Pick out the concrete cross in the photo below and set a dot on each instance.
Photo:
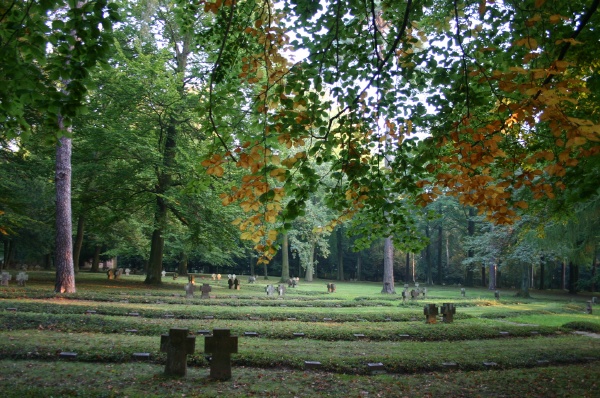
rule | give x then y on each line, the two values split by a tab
205	289
448	311
177	344
431	312
221	345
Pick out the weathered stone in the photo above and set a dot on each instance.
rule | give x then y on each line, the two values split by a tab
221	345
178	345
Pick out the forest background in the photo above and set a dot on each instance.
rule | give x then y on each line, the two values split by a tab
446	142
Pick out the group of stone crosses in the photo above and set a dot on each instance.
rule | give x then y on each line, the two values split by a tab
21	278
178	345
414	293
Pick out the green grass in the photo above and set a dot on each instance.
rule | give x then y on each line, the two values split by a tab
45	324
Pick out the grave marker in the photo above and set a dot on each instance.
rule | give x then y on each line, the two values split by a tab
497	294
67	355
281	290
221	345
431	313
448	311
110	274
270	290
588	308
376	368
312	364
177	344
22	277
205	289
462	292
189	290
141	356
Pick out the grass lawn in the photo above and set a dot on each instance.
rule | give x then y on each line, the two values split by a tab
507	348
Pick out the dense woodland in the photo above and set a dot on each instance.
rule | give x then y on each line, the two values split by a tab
438	141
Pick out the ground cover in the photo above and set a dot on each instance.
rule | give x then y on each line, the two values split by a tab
486	351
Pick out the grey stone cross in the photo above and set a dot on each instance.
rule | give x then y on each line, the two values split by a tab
178	345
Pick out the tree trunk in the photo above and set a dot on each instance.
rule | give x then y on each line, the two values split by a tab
492	279
563	276
470	273
594	270
182	267
252	273
428	257
542	276
308	276
524	290
47	261
573	277
407	269
265	271
9	253
154	276
388	267
65	273
285	259
96	260
340	254
498	278
78	243
439	254
358	267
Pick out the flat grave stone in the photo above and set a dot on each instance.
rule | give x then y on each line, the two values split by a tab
327	319
312	364
131	330
178	345
168	316
450	365
376	368
221	345
141	356
209	317
388	319
298	334
203	332
490	364
134	314
359	335
124	301
542	362
404	336
67	355
254	318
90	312
11	309
291	319
250	334
504	334
534	332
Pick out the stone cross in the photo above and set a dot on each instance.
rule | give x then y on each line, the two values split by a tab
110	274
589	307
192	279
189	290
127	271
331	287
270	290
22	277
118	273
424	291
414	294
177	344
214	276
221	345
5	278
462	292
281	289
431	312
163	273
205	289
404	293
497	294
448	311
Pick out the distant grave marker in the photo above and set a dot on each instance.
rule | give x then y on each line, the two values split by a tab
22	277
221	345
588	308
178	345
448	311
431	312
205	289
189	290
312	364
463	292
67	355
376	368
270	290
281	290
141	356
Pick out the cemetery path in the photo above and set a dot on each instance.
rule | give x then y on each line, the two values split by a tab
588	334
